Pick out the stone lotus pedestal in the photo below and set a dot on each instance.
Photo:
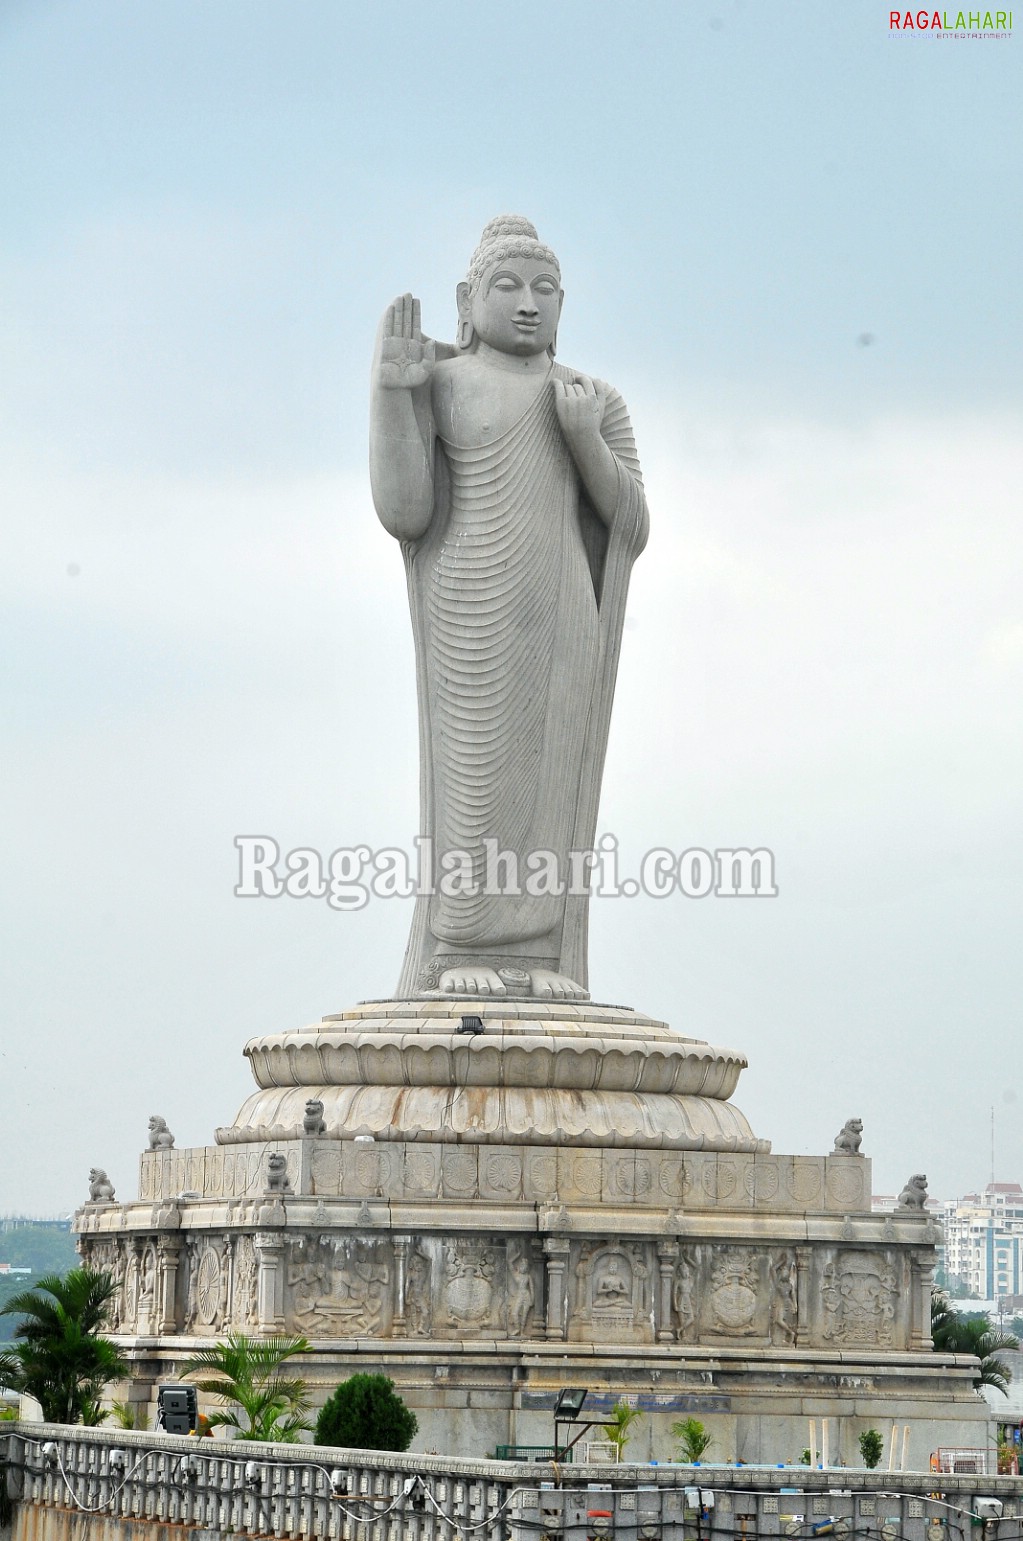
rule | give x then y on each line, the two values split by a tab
500	1199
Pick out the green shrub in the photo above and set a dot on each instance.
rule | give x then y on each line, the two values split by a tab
366	1413
871	1447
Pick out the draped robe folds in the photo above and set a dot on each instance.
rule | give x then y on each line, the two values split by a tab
517	592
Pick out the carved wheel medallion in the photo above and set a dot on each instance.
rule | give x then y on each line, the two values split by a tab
504	1173
420	1171
761	1182
207	1286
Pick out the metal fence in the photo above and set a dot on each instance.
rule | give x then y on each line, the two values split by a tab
295	1491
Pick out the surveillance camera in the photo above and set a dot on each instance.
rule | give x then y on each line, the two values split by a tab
252	1474
50	1453
117	1460
339	1482
989	1508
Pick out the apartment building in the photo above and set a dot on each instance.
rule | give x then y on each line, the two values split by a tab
984	1241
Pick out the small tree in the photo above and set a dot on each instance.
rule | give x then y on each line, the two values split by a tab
871	1448
954	1332
693	1440
129	1415
618	1425
263	1403
59	1356
366	1413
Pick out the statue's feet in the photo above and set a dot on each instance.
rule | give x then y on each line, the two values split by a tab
476	981
556	987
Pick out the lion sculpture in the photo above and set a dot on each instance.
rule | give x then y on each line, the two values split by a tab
160	1137
914	1194
847	1140
277	1173
101	1189
313	1122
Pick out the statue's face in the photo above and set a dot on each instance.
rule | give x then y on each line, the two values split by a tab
517	305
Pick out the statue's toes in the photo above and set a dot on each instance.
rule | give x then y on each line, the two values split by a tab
485	982
547	985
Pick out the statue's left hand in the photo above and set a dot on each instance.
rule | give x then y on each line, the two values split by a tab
580	407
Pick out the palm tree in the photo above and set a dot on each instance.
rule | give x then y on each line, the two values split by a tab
262	1403
954	1333
617	1427
58	1355
693	1440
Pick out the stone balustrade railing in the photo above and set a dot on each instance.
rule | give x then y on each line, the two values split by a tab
287	1491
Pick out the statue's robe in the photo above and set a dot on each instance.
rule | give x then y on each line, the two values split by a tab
517	591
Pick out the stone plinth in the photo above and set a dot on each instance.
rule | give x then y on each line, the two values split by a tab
565	1196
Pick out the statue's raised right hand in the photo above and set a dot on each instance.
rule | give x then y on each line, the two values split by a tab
404	358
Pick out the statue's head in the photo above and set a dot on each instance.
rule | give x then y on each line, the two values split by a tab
511	297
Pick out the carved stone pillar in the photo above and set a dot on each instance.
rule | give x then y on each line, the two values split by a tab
667	1256
270	1253
921	1285
804	1285
168	1255
556	1252
401	1246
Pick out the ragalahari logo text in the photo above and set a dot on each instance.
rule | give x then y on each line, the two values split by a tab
951	24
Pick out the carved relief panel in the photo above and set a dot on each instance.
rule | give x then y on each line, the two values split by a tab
521	1294
339	1287
732	1304
743	1293
859	1299
613	1297
206	1288
683	1298
245	1284
782	1281
110	1257
468	1289
418	1293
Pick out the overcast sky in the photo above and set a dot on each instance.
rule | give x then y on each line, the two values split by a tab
792	241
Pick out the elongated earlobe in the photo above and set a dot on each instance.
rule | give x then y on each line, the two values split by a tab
465	336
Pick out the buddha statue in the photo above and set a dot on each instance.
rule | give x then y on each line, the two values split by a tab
513	486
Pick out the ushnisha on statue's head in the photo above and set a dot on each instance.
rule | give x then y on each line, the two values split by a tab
511	298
